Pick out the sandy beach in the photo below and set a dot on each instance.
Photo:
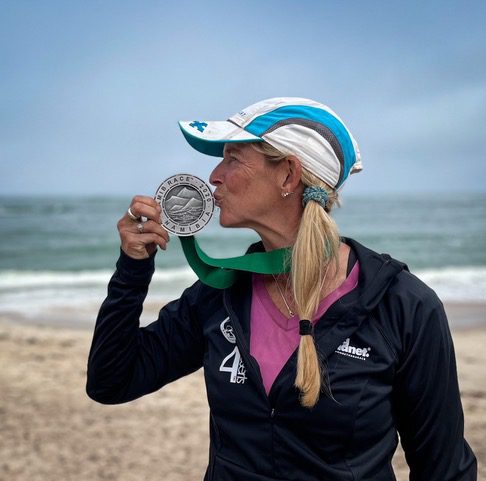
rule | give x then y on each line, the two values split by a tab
51	430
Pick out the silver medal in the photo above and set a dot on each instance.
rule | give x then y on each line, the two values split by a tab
187	204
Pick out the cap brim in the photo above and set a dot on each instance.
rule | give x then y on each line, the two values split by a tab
209	137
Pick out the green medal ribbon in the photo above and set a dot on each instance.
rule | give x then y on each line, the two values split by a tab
221	273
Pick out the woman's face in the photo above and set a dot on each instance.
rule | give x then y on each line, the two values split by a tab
247	187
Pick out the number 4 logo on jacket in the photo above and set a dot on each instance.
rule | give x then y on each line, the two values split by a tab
232	363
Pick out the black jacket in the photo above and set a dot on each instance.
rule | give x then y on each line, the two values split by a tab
389	356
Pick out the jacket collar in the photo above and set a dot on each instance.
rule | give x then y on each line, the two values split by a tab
344	317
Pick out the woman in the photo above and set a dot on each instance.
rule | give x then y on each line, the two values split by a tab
312	370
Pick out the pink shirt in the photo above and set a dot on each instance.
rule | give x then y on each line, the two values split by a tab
274	337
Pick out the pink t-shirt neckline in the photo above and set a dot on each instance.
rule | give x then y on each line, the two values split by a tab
274	337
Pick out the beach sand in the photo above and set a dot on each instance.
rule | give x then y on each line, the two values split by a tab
51	430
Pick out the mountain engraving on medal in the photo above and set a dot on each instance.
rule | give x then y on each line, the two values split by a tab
187	204
184	205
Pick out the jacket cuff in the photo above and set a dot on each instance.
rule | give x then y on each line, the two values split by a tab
137	271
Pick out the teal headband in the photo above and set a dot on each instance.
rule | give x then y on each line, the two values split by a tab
315	193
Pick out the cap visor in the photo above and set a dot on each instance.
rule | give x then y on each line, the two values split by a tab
209	137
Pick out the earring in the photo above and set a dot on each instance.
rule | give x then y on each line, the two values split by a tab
286	194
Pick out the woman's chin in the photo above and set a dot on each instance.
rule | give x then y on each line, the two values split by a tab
225	221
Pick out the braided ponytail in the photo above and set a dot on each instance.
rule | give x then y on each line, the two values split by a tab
315	251
314	255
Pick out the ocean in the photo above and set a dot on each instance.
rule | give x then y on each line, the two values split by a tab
58	253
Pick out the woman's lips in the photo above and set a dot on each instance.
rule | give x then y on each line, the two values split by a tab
217	200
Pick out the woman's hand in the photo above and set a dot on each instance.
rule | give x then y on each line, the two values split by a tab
140	239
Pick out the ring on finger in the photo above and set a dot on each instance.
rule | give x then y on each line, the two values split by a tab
132	215
140	227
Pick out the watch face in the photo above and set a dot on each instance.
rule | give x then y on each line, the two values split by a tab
187	204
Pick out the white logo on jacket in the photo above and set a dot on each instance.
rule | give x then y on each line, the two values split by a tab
227	330
232	363
346	349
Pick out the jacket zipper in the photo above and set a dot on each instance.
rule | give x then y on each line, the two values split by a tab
245	354
272	426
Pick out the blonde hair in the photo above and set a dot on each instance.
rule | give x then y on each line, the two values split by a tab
314	253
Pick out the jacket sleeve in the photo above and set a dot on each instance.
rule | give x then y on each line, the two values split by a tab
427	399
126	361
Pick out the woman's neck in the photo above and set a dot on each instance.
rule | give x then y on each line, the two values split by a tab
277	240
280	289
279	234
279	228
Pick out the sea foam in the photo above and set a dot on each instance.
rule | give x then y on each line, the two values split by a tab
31	293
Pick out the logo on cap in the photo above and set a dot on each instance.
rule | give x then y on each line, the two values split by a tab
187	204
198	125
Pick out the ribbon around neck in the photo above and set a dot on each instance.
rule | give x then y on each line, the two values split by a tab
222	273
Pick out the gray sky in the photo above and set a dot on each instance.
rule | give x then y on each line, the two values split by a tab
91	91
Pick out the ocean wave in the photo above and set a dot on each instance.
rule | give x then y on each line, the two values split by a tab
16	279
33	294
78	295
450	283
456	284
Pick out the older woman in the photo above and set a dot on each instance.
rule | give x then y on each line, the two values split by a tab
314	367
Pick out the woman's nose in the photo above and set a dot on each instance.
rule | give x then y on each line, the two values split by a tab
216	175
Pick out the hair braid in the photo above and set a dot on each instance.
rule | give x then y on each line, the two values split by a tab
314	254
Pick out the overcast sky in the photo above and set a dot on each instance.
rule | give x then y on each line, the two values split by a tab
91	91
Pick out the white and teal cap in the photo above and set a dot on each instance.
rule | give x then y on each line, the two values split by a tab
295	126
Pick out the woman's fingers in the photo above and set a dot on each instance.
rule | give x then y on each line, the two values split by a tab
140	229
143	206
151	227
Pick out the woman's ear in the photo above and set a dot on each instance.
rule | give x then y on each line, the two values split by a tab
293	173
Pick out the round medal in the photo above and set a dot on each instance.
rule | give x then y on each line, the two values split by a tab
187	204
